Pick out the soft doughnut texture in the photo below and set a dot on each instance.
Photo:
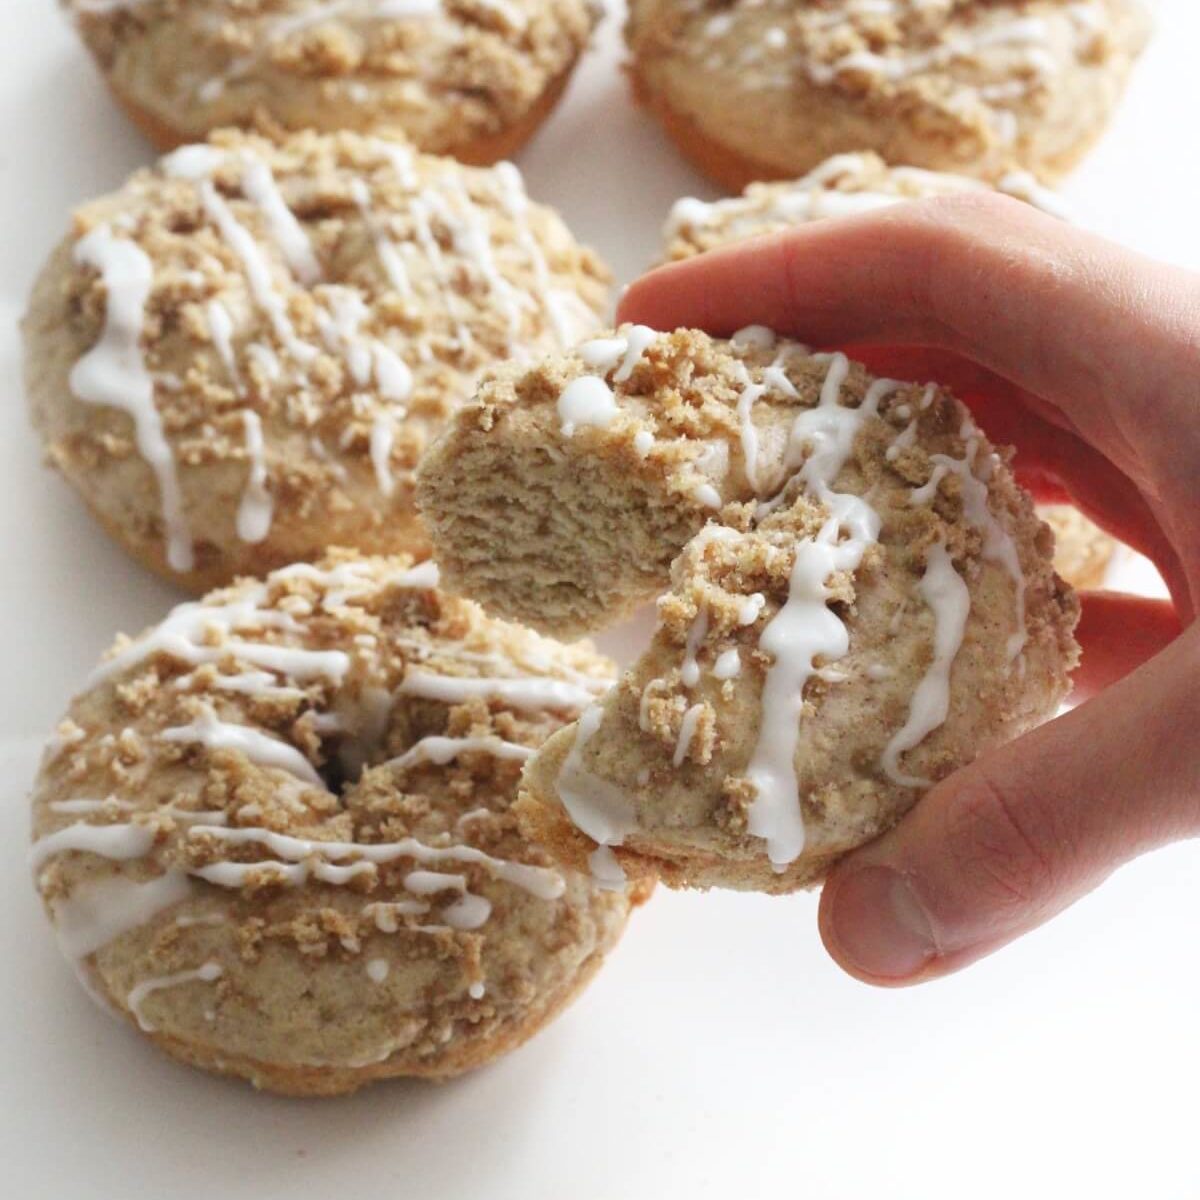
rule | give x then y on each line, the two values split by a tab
1082	550
858	600
469	78
853	183
275	832
767	89
238	358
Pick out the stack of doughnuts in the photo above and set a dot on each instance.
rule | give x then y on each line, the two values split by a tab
368	807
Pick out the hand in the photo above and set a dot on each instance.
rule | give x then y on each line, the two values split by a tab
1085	357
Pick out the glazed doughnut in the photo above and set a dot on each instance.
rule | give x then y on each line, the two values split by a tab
859	599
275	833
767	89
853	183
842	186
469	78
237	359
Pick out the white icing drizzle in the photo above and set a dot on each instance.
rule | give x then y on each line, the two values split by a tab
541	882
597	807
209	731
689	672
526	692
750	395
98	911
282	27
196	164
473	240
260	187
586	401
643	442
185	635
555	302
687	733
209	972
998	544
113	372
443	750
603	354
805	628
944	591
728	664
221	329
607	873
119	842
385	248
751	608
385	913
383	438
838	188
638	341
257	507
109	804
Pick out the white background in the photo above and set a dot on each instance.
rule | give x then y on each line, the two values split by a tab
720	1054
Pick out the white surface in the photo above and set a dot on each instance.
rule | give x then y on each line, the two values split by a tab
720	1054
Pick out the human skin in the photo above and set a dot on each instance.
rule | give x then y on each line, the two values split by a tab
1086	358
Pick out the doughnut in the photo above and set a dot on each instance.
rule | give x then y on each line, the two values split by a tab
855	598
767	89
238	357
1082	550
470	78
853	183
844	185
275	832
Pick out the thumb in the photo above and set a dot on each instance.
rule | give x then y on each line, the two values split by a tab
1014	838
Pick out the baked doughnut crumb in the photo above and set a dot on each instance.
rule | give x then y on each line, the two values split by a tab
238	358
276	834
855	598
470	78
767	89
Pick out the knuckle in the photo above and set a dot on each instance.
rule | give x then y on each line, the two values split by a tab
1000	844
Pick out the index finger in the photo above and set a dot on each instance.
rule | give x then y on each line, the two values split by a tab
1099	331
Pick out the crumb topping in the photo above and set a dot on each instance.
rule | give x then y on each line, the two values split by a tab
441	69
322	761
310	311
977	65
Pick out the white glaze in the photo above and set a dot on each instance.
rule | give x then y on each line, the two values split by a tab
689	672
728	664
98	911
596	807
443	750
119	842
687	733
805	628
586	401
541	882
944	591
260	748
209	972
998	544
257	507
525	692
113	372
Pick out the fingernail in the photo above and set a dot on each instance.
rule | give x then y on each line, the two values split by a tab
879	925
